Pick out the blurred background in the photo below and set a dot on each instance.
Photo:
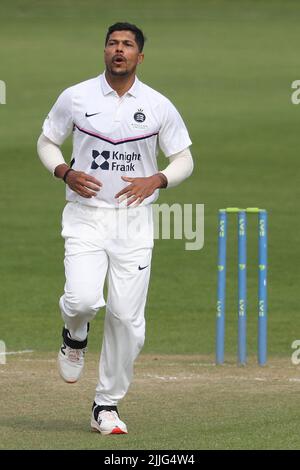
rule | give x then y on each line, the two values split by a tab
228	68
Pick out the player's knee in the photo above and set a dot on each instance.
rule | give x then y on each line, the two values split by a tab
140	340
129	320
120	311
81	305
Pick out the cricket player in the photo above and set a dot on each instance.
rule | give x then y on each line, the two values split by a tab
118	125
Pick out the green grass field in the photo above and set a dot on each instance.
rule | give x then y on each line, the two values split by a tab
228	67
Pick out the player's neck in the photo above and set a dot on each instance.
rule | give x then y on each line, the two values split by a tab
121	84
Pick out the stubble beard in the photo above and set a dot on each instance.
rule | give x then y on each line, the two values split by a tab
118	72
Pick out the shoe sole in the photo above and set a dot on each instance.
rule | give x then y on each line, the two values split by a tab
95	428
67	380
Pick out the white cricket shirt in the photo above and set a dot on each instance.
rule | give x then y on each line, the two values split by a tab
115	136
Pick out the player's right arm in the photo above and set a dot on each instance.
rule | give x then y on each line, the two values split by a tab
56	128
52	158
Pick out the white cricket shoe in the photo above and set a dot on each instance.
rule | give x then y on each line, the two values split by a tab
70	363
105	419
71	357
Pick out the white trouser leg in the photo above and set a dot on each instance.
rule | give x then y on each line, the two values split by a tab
124	328
85	269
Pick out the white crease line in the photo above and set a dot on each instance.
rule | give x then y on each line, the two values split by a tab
151	376
170	377
204	364
228	377
16	352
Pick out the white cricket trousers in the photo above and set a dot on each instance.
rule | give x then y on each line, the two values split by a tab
112	244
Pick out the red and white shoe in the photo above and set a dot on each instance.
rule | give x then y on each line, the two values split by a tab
106	420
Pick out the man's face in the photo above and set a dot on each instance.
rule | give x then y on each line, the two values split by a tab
121	53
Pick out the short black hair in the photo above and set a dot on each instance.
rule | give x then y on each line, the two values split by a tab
139	35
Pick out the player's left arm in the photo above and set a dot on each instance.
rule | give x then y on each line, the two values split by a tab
180	167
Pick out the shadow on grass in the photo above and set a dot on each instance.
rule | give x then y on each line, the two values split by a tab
31	423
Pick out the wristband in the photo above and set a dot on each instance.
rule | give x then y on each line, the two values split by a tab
163	179
66	174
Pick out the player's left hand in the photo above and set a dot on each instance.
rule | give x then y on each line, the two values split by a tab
141	188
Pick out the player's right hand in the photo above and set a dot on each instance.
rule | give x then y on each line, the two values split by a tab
83	184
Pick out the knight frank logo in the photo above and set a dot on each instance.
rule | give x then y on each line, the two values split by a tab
104	165
114	160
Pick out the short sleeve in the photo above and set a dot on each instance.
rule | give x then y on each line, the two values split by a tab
59	123
173	135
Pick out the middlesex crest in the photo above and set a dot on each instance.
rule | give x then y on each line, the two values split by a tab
139	116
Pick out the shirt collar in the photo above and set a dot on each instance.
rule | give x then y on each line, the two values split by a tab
106	88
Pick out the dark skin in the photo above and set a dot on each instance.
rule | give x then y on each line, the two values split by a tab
121	57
